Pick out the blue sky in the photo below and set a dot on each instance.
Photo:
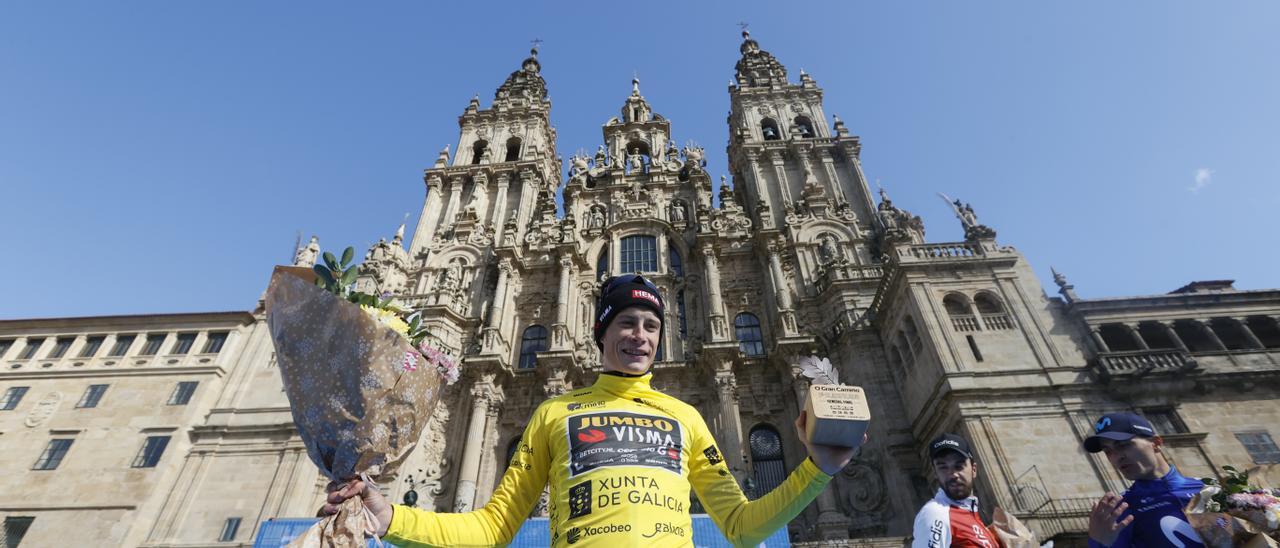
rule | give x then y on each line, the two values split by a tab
162	156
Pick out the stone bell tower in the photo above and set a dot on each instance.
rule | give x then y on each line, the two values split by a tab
480	196
504	160
800	180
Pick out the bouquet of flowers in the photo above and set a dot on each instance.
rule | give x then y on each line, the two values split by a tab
1234	513
362	378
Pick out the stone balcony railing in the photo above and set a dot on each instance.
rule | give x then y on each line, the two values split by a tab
836	272
997	322
950	251
964	323
1141	362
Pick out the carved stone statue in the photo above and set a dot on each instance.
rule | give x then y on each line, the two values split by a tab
595	218
969	220
600	157
306	256
635	160
452	276
827	250
580	165
677	212
694	154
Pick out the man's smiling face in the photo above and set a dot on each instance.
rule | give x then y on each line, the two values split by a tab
631	341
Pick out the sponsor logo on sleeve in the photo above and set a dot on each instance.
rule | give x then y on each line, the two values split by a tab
616	438
713	455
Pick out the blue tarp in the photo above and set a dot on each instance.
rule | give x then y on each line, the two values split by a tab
277	533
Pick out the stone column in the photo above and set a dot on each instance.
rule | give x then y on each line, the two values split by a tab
500	208
730	421
829	166
1208	332
455	197
1136	336
430	219
719	325
528	195
494	324
1248	333
560	330
780	171
762	193
615	255
468	475
1098	340
1173	336
781	292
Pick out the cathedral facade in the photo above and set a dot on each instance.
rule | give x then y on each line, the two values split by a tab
796	258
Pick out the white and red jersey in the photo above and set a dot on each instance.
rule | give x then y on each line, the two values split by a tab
944	522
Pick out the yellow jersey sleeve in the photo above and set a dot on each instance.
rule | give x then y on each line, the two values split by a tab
498	520
748	522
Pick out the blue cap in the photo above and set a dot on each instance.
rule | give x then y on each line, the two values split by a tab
1118	427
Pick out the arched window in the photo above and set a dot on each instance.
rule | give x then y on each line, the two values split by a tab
806	127
477	151
639	254
766	460
769	129
602	264
992	312
962	319
673	257
534	341
513	150
956	305
987	304
746	328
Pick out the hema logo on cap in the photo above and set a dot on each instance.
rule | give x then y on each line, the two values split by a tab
642	294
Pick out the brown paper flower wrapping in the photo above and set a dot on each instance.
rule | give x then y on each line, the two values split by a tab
359	393
1011	532
1224	530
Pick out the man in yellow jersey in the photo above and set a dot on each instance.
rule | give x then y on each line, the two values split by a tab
620	458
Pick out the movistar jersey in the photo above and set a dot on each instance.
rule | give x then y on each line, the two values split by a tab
1156	507
944	522
620	458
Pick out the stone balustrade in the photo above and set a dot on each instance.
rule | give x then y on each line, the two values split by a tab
842	272
1141	362
964	323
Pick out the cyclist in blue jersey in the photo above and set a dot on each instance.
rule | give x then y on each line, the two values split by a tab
1150	511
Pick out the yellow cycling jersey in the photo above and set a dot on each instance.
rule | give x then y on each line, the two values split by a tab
621	458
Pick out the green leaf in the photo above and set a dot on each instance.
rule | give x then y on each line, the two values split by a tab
348	254
325	275
330	260
349	277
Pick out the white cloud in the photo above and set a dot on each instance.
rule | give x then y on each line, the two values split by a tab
1204	176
